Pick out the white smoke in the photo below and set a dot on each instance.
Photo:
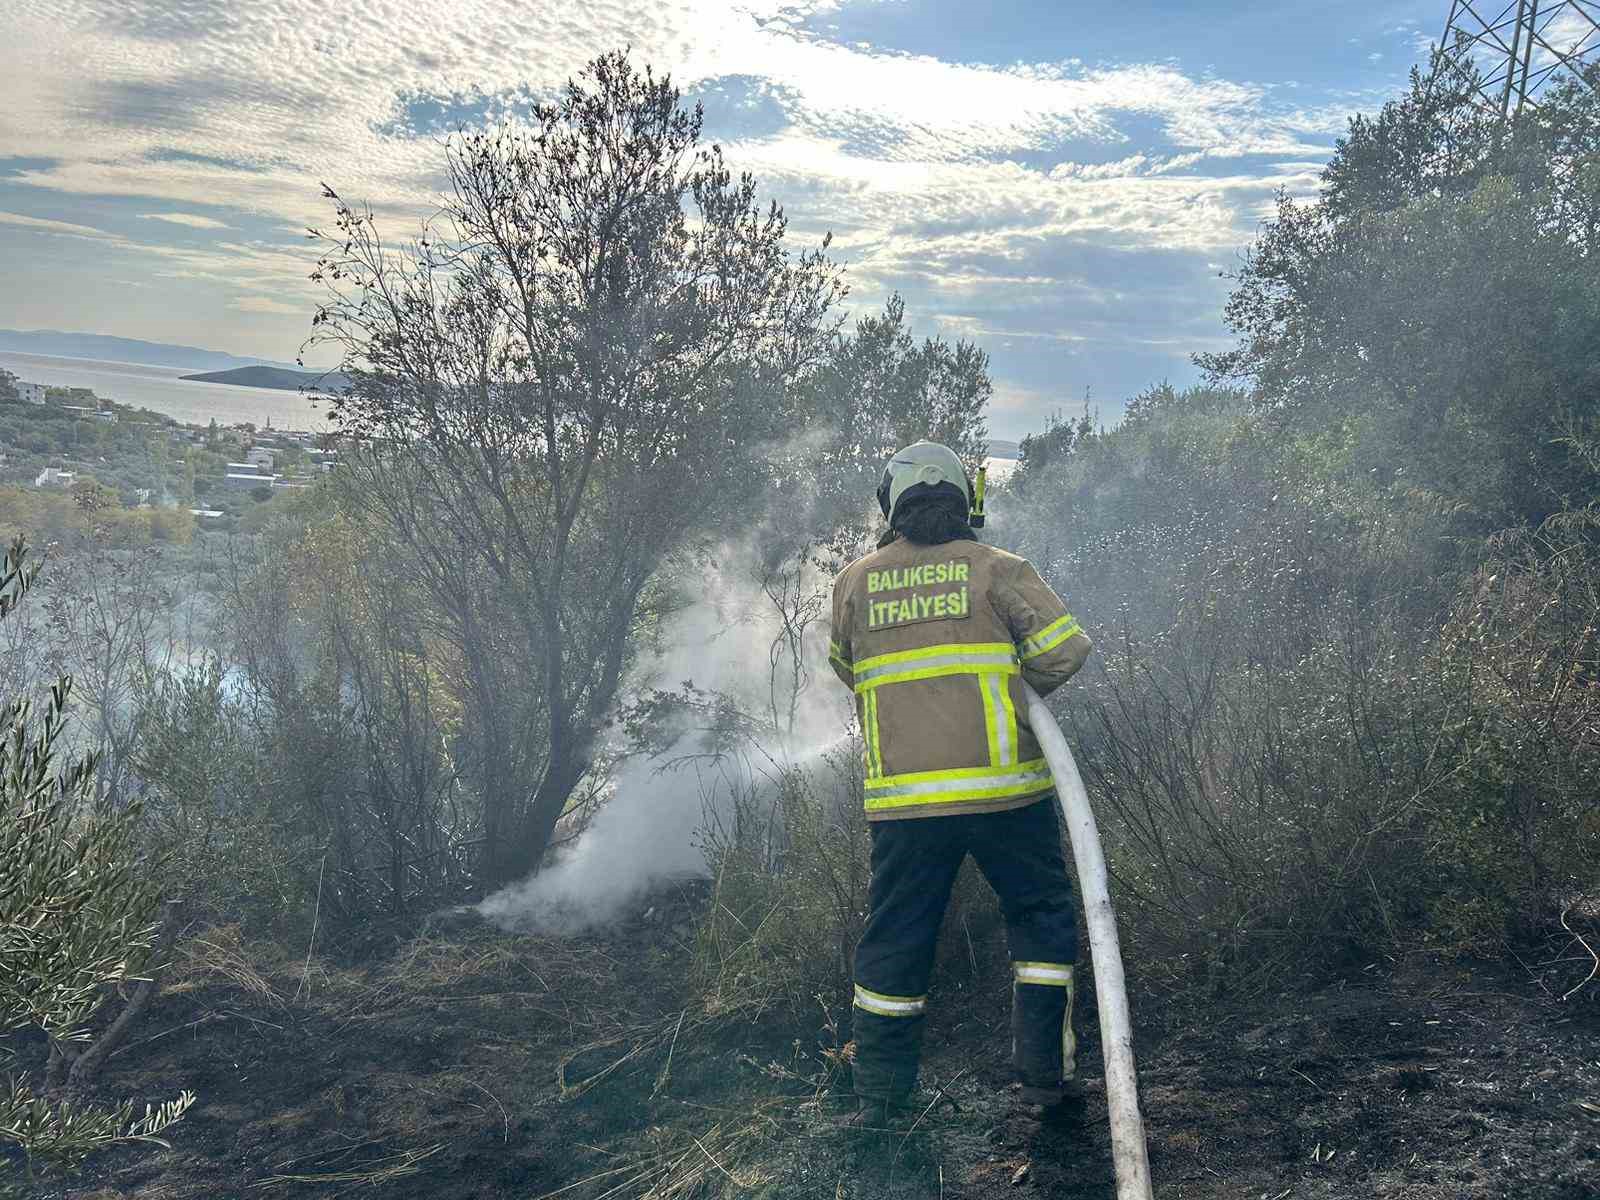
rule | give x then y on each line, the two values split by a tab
646	833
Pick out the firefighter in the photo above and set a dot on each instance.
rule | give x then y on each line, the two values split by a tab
935	632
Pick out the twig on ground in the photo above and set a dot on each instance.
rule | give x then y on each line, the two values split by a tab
387	1170
504	1116
713	1159
1309	1080
205	1020
1578	937
316	915
941	1091
931	1105
666	1070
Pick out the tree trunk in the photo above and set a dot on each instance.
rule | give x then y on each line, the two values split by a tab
86	1065
562	774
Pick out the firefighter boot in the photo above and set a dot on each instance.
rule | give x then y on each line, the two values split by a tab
1061	1104
874	1116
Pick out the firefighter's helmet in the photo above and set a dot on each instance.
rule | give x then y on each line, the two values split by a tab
927	465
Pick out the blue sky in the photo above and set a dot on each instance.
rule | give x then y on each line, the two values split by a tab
1061	182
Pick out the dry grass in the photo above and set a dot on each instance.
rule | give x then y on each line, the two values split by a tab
373	1174
676	1163
220	954
546	977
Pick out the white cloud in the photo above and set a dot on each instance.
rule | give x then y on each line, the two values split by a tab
919	165
266	304
57	228
227	88
190	219
1572	30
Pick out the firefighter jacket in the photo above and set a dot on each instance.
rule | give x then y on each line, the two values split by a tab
935	641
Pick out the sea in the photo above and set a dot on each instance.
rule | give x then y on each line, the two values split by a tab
161	390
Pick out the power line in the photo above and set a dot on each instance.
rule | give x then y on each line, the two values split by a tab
1520	48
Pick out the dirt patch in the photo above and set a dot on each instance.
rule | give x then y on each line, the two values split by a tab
1367	1089
484	1067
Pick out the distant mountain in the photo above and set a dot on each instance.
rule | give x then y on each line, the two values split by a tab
999	448
281	378
127	350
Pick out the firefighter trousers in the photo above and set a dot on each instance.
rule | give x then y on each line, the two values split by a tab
914	866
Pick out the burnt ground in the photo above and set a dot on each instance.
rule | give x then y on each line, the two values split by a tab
466	1065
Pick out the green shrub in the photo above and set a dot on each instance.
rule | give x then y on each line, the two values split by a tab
1514	837
788	857
77	909
233	847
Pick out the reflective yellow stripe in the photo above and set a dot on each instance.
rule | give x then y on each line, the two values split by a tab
957	668
993	718
880	803
959	773
1048	638
836	656
908	656
930	662
956	786
1050	974
999	718
869	732
889	1006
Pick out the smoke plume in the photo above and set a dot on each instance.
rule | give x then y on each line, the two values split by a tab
646	832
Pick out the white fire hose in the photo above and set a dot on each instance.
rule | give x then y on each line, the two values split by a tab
1128	1154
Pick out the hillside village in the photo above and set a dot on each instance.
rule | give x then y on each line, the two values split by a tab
70	439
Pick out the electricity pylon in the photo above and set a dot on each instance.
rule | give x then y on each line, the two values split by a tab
1519	48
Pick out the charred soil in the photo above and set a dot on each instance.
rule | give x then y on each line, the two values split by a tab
471	1065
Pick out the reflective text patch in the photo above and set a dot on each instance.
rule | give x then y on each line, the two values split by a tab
926	592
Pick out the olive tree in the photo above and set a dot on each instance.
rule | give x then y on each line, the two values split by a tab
76	915
572	370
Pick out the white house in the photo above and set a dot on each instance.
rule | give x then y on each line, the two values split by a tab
240	479
31	393
50	477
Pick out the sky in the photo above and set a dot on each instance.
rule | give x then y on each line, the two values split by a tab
1064	183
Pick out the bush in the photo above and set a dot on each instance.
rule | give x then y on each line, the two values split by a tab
1515	836
1263	816
76	914
788	855
1264	706
1301	762
232	849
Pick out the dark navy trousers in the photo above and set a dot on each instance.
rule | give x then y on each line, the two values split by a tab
914	866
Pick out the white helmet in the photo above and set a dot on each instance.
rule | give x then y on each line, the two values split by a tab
926	463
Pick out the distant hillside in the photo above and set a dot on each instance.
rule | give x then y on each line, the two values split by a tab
127	350
998	448
281	378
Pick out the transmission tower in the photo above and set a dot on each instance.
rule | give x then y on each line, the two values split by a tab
1519	48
